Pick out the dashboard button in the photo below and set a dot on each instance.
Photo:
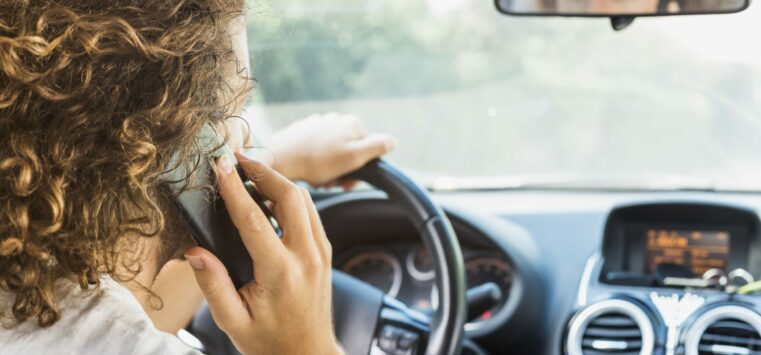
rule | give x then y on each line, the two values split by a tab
407	342
397	341
389	338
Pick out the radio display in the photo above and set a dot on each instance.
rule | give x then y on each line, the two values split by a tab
695	250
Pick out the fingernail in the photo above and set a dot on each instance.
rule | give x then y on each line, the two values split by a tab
224	164
195	261
251	157
243	153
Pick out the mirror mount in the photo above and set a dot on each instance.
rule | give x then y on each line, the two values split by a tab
621	22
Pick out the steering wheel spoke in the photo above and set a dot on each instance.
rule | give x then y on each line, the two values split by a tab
401	329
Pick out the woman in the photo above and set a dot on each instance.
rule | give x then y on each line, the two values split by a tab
97	100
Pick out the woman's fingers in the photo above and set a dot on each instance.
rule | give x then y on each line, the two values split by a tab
321	239
227	307
293	276
371	146
255	230
349	185
290	206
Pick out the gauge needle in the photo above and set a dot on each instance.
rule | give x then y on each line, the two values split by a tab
482	298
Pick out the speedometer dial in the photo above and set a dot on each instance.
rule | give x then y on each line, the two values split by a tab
378	268
483	270
420	264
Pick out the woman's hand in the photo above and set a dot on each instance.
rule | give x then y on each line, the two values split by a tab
288	308
321	148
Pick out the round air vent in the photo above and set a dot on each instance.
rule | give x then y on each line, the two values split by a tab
610	327
724	330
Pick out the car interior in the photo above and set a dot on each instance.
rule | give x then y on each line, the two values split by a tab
573	176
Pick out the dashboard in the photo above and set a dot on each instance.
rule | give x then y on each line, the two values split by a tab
374	241
404	270
575	272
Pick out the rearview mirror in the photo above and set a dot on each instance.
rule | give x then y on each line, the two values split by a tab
619	8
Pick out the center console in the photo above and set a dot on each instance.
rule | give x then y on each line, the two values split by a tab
671	278
679	245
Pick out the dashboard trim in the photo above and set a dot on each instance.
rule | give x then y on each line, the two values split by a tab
674	311
378	252
586	278
582	319
409	263
698	327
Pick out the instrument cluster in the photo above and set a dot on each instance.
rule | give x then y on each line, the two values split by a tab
405	270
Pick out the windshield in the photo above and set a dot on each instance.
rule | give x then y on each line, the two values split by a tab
481	99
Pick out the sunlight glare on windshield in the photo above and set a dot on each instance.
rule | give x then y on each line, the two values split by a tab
447	5
729	38
472	93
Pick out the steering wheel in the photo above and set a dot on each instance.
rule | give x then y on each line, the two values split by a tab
366	320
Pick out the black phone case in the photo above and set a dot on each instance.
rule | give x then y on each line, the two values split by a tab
208	221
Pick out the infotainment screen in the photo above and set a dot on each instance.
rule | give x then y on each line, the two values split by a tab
695	250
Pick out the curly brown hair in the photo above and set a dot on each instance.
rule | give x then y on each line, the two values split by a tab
96	100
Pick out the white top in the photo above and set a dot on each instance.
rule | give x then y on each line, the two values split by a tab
109	322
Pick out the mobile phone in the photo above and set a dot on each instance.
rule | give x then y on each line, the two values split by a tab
204	214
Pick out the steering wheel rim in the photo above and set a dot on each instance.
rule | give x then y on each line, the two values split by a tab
446	329
356	304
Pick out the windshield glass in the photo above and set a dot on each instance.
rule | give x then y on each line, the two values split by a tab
481	99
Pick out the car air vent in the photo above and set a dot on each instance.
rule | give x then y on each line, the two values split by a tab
612	332
724	330
610	327
730	337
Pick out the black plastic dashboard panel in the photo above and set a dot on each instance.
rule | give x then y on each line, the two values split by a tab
375	221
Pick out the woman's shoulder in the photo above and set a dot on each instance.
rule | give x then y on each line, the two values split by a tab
106	320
